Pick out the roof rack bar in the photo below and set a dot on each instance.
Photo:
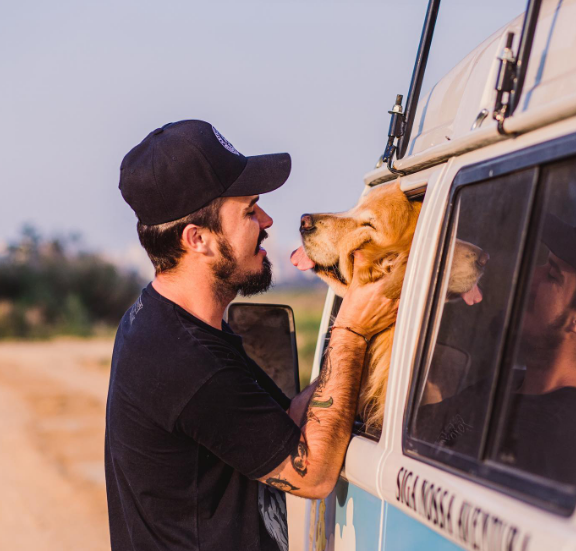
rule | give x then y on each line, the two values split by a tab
418	75
524	50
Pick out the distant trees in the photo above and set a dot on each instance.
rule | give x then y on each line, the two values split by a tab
52	286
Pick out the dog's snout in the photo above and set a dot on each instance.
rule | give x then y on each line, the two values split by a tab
483	258
306	222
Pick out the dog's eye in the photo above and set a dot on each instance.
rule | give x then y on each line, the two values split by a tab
369	225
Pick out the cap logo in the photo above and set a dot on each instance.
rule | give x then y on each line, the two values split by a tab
225	143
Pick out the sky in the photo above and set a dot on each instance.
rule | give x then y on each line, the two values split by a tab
84	82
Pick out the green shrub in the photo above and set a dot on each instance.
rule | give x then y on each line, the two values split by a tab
50	287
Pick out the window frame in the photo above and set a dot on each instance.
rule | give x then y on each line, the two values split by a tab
544	493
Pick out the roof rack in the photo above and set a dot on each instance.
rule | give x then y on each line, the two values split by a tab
509	82
512	70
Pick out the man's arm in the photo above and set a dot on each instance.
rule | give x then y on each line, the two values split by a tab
313	468
326	421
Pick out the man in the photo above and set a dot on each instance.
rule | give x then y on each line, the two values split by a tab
199	440
543	410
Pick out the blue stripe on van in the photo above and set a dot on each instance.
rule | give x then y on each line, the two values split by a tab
358	517
403	533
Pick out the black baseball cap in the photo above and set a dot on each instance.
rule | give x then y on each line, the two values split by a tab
182	166
560	238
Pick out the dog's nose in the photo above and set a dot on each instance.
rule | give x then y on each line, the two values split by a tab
306	222
483	259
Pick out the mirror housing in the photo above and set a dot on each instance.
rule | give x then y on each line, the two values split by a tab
268	332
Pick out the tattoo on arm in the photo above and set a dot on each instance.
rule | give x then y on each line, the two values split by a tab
311	416
320	404
325	374
281	484
300	459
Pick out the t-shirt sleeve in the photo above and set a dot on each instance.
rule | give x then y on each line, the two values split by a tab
233	417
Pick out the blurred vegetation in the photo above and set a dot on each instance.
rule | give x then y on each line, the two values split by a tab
52	287
307	303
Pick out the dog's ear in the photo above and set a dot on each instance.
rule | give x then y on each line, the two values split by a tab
390	264
375	264
398	214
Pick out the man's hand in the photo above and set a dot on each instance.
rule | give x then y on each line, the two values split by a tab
365	309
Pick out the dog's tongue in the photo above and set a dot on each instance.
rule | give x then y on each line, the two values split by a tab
473	296
300	259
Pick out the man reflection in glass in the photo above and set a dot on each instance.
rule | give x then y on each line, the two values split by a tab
549	331
540	435
539	430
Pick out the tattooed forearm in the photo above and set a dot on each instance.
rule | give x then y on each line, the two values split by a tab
281	484
300	459
325	412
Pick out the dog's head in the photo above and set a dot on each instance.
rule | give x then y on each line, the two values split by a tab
381	226
466	268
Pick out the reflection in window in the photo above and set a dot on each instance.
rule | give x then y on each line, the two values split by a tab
539	429
472	306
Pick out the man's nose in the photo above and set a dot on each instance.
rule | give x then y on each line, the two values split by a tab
306	223
265	220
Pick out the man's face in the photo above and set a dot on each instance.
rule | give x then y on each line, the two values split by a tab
550	305
242	266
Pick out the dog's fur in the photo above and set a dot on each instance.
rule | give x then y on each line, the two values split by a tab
382	226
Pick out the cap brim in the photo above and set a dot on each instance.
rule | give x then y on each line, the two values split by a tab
262	174
560	238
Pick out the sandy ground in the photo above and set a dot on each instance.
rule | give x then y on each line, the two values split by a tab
52	406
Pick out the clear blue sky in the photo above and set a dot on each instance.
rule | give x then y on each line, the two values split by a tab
83	82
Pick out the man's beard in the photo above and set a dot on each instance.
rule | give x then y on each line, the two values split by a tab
539	350
230	280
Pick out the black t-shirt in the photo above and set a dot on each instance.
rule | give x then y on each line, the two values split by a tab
539	435
456	422
191	422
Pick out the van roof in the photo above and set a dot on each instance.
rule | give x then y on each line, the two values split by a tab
445	117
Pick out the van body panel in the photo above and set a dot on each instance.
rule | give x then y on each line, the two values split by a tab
349	519
362	464
404	533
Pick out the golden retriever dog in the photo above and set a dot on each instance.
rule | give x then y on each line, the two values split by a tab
382	226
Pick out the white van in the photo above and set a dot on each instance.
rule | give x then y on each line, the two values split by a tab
508	186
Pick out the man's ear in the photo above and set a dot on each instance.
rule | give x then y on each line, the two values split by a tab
196	239
572	324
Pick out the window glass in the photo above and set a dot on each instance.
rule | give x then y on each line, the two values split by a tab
472	303
538	432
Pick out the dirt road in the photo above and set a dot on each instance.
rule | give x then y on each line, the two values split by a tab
52	406
52	403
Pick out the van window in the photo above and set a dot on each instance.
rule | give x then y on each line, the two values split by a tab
538	427
472	304
494	392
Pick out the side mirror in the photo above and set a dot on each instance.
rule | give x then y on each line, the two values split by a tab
269	337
